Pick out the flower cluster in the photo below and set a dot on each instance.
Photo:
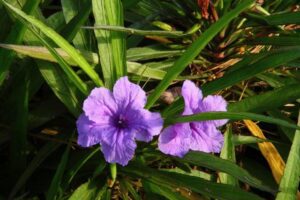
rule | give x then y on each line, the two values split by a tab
116	119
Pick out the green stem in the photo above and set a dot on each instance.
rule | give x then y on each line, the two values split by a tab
113	172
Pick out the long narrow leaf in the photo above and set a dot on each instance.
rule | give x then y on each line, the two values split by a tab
230	115
288	188
195	49
111	45
15	37
175	180
59	40
228	153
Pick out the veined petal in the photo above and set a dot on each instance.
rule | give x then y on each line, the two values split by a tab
129	94
192	95
214	103
100	105
175	140
86	132
146	124
216	138
206	138
120	148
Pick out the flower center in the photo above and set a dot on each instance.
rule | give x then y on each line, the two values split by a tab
121	122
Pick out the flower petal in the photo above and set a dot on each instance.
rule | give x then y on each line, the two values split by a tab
100	105
216	139
129	94
146	124
175	140
120	148
206	138
192	96
86	135
214	103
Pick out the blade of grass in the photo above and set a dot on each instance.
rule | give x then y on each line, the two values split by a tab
126	185
57	179
275	19
111	45
213	162
44	54
76	167
59	40
288	188
275	41
162	191
151	52
270	60
195	49
175	180
228	153
65	91
42	154
76	13
89	191
18	146
170	34
267	100
15	37
244	139
64	66
230	115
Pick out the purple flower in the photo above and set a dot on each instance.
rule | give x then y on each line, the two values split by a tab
116	119
203	136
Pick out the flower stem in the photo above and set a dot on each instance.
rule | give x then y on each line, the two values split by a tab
113	172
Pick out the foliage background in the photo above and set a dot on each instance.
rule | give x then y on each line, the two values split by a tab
51	56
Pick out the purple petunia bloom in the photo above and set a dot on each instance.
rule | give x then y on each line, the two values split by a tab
203	136
116	119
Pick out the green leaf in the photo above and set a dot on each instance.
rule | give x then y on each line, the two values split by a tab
129	3
62	88
228	153
151	52
191	172
44	54
244	139
18	104
42	154
76	13
73	77
77	166
195	49
89	191
212	162
170	34
230	115
180	181
15	37
126	187
288	187
111	45
243	72
267	100
162	191
275	19
59	40
288	132
275	41
57	179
